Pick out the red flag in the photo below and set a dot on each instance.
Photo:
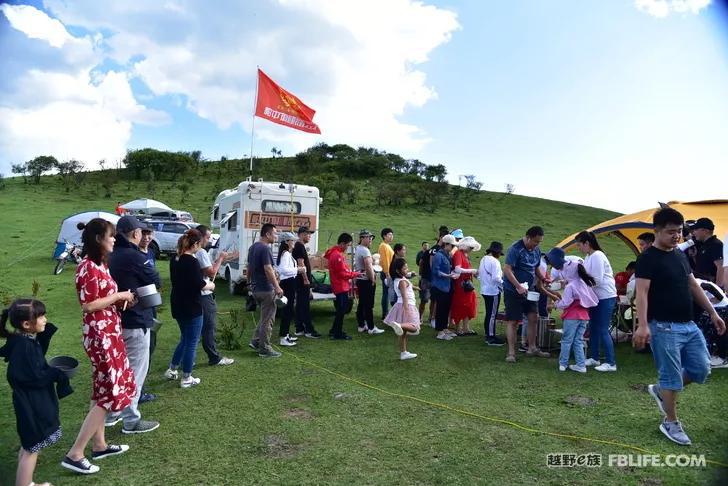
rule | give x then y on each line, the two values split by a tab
279	106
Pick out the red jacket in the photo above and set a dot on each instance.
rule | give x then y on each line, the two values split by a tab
339	272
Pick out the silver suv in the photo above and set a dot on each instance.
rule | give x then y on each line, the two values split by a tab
166	234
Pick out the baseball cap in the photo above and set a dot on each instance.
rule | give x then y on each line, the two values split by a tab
364	233
304	229
127	224
557	258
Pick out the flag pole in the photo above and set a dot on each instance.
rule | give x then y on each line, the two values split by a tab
252	131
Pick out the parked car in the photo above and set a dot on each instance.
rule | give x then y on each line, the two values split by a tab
166	234
174	215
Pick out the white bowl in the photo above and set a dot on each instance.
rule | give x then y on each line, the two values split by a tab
555	286
533	296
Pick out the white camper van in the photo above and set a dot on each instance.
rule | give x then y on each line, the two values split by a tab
239	213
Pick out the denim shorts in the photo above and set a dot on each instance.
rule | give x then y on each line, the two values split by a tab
679	349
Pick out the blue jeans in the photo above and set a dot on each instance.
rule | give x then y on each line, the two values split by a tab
599	318
186	350
678	349
573	338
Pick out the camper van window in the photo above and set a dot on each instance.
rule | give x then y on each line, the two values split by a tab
227	218
216	213
286	207
233	222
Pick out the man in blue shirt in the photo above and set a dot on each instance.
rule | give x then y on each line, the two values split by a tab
520	272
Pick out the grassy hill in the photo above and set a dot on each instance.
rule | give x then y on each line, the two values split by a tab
293	421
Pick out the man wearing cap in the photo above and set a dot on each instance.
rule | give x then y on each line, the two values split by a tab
304	326
490	275
709	257
365	283
131	269
209	307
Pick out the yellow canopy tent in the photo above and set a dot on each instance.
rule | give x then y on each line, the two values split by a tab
630	226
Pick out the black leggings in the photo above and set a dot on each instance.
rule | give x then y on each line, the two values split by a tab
289	290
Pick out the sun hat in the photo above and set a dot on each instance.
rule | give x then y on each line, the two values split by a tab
448	240
469	242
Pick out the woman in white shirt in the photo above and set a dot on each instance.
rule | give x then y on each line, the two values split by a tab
490	275
598	266
287	271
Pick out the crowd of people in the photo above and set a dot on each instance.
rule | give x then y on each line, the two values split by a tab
119	333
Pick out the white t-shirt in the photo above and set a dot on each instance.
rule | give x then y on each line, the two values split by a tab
490	275
203	258
410	292
597	265
556	274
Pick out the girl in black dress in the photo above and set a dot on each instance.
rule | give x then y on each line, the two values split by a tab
36	385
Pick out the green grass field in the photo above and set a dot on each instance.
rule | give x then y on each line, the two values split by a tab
325	412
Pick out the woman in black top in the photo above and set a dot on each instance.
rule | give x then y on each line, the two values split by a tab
187	282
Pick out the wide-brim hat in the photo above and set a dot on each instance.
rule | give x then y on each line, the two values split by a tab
469	242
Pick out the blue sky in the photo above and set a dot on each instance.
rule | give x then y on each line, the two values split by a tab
616	104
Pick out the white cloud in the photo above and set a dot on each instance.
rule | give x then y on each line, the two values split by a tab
36	25
354	62
663	8
67	109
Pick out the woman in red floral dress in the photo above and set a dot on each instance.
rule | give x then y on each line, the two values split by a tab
464	304
113	379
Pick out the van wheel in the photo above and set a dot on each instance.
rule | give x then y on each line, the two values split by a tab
232	286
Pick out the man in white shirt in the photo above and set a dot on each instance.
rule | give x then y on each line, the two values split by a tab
209	307
490	275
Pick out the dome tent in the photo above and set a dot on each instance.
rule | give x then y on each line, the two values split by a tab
70	232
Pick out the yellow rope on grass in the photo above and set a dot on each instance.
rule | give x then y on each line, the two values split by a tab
485	417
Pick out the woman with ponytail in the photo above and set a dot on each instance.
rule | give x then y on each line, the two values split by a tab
597	265
112	379
187	282
36	385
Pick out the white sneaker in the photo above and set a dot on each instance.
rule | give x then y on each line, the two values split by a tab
286	341
225	361
292	338
578	369
189	381
376	330
443	336
362	329
562	368
406	355
171	374
451	333
606	367
396	327
592	362
723	363
300	333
